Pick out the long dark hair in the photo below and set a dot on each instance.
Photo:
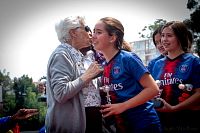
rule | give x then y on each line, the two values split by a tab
157	31
181	32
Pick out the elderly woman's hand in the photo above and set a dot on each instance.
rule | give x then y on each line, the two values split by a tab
93	70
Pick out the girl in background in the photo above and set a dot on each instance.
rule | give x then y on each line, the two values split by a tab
180	113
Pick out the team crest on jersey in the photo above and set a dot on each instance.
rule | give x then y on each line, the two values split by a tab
116	70
183	68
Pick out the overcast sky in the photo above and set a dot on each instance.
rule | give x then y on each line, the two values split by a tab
27	35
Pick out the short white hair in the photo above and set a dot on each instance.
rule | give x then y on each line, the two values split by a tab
64	26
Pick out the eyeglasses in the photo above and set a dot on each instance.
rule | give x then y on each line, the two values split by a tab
86	28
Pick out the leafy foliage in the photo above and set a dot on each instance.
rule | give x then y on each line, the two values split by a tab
22	93
192	4
9	104
147	31
194	22
5	79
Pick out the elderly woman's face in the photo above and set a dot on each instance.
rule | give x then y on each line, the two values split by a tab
83	37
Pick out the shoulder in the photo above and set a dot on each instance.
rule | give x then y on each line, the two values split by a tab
190	57
5	119
61	57
155	59
126	55
157	63
60	52
132	62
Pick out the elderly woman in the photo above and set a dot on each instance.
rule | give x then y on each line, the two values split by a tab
66	77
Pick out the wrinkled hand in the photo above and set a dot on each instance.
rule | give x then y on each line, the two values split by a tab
166	108
24	114
111	109
93	70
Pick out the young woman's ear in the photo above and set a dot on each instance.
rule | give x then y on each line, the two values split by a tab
113	38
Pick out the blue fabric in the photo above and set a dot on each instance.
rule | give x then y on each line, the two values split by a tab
185	69
126	71
42	130
5	124
125	75
153	61
4	119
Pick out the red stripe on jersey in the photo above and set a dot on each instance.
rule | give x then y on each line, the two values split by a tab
170	67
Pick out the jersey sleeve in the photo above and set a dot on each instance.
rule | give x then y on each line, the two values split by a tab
136	67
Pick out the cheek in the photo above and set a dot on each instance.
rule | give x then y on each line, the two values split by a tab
100	44
103	41
175	42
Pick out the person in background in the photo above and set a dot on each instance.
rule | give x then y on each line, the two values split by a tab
67	77
41	91
92	99
9	122
157	42
180	113
131	85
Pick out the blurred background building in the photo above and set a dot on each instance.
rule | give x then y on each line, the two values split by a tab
145	49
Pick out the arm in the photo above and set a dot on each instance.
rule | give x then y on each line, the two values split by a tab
64	81
192	103
7	123
24	114
150	90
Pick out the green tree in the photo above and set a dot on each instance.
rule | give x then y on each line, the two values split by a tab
9	104
194	22
147	31
8	100
22	93
31	101
20	88
5	79
27	97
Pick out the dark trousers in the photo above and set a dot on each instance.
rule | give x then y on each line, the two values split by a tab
93	120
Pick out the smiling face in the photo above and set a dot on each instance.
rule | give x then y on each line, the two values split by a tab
175	37
169	40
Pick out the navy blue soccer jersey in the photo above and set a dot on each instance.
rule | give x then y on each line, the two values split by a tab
153	61
184	69
123	73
